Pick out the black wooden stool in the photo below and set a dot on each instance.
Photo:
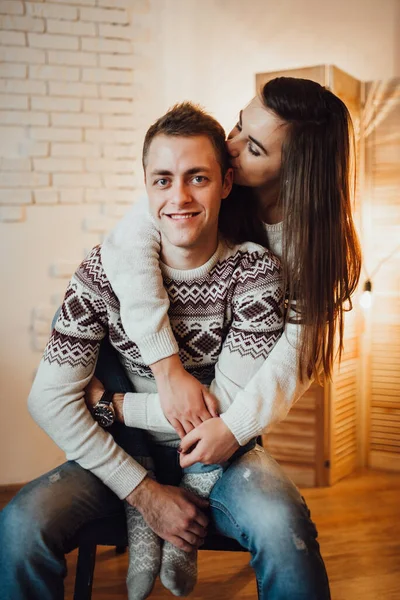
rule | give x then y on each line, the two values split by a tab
112	532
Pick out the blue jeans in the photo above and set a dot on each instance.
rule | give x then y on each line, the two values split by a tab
253	502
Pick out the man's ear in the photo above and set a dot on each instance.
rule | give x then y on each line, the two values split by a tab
227	183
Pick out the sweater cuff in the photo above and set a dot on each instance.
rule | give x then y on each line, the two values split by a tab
242	423
158	345
135	411
126	478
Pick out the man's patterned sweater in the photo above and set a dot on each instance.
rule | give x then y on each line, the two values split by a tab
226	316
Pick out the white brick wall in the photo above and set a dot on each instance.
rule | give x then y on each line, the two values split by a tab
70	145
67	100
12	214
72	120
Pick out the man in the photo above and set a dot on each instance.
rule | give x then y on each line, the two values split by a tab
239	321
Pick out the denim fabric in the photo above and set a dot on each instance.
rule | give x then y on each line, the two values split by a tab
253	502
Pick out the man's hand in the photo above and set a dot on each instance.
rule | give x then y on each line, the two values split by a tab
186	403
212	443
172	513
93	392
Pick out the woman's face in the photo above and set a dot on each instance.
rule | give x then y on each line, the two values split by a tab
255	146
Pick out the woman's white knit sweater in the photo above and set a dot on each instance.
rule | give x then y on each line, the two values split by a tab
133	248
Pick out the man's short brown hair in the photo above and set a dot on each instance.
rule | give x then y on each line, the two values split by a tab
187	119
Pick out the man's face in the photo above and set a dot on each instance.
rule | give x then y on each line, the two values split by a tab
185	187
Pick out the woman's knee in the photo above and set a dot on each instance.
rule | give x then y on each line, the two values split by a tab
260	500
257	475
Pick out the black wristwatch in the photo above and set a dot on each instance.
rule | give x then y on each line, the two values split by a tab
103	411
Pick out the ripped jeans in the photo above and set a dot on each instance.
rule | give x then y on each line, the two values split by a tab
253	502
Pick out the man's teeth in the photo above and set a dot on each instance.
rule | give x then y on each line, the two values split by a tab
186	216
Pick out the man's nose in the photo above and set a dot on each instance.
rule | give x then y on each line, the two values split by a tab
181	195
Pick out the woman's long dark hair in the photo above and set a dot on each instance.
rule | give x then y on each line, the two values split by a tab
239	218
321	252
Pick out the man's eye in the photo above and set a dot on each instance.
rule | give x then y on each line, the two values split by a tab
252	149
200	179
161	182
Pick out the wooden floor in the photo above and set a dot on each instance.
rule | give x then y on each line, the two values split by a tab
359	531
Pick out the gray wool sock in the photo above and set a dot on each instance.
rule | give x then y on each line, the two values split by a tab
144	555
178	568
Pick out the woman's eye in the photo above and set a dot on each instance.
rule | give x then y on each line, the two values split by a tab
238	126
253	150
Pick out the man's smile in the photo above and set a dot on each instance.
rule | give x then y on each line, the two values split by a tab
181	216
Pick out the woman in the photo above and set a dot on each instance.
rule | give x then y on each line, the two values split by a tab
291	154
291	149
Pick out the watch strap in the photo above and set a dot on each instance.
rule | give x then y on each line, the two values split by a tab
106	398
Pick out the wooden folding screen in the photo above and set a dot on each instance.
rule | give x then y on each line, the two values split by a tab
317	442
382	240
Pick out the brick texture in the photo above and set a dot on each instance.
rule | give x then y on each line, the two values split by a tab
12	214
67	102
69	141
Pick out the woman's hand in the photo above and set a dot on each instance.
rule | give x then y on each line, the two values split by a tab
212	443
93	392
186	403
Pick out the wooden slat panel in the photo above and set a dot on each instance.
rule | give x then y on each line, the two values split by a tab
315	73
383	155
384	411
303	475
384	460
388	425
293	442
344	409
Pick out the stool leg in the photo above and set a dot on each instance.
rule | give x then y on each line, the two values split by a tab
84	572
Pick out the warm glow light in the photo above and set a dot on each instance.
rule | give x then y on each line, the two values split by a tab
366	300
366	296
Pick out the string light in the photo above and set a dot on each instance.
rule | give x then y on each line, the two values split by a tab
366	296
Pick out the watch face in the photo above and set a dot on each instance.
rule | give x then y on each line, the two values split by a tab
104	415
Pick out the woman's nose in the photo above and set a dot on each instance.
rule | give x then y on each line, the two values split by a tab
233	148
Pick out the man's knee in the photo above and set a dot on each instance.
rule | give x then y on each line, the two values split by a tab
23	527
41	514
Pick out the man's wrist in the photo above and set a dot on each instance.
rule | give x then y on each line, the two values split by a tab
163	368
141	495
118	405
